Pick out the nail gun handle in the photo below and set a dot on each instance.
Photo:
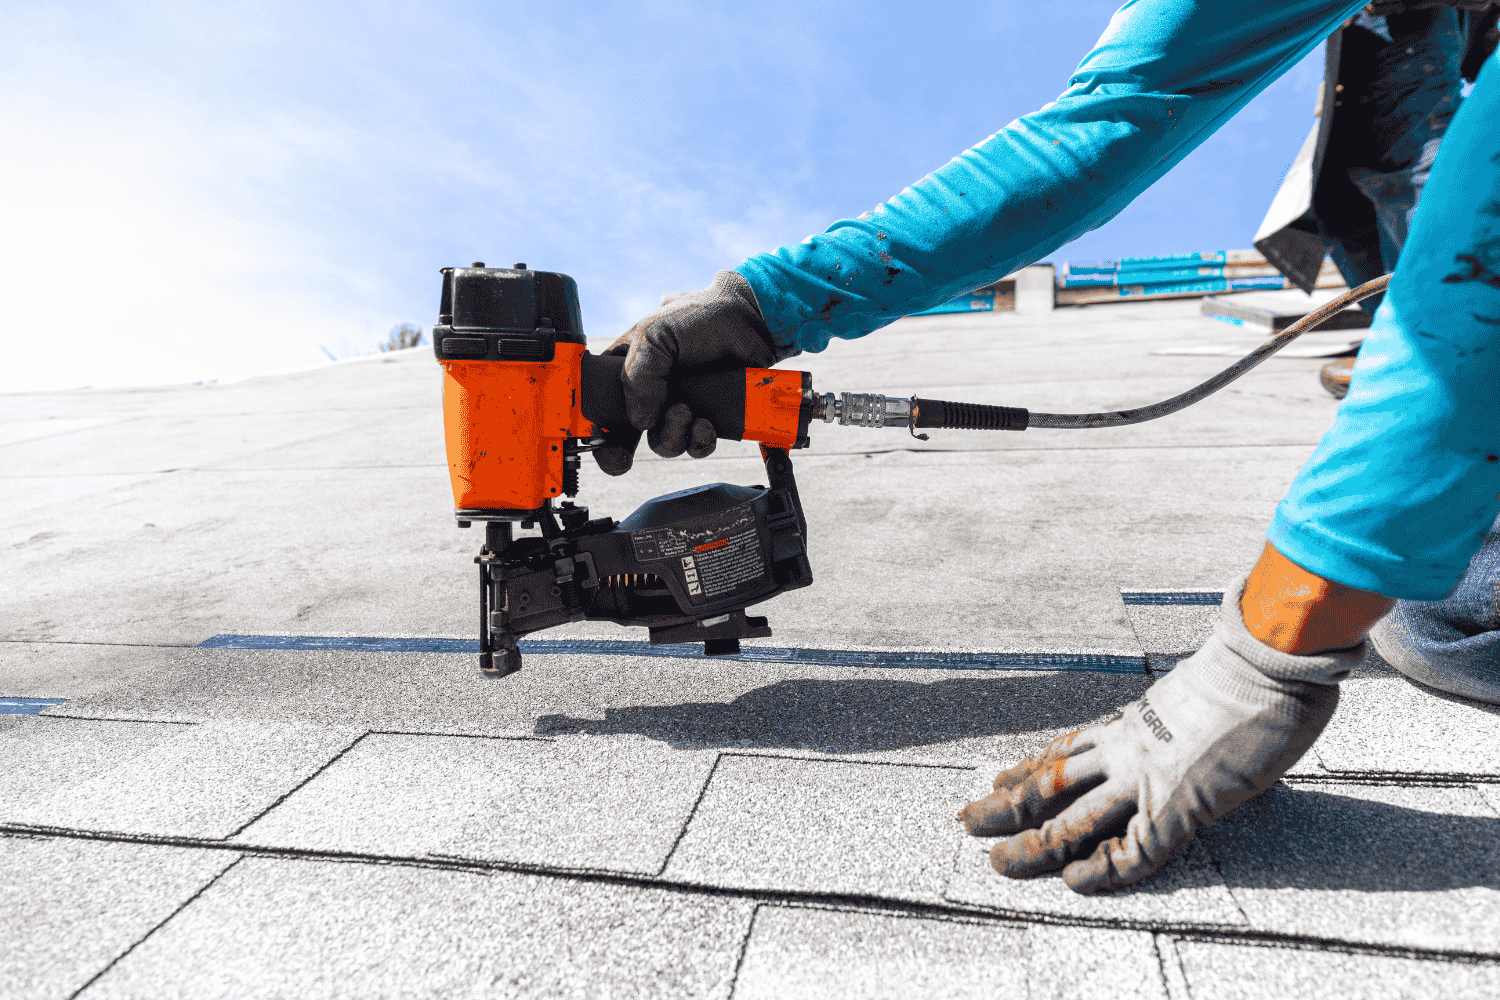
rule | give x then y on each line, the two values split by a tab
768	405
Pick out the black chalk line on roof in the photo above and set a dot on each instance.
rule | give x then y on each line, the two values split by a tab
944	910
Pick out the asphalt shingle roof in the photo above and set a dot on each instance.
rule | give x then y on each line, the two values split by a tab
220	821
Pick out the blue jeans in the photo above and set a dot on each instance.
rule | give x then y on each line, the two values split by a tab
1405	93
1452	644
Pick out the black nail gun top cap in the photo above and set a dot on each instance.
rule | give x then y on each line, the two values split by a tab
504	314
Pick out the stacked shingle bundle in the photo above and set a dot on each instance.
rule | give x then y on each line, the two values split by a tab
1000	296
1178	276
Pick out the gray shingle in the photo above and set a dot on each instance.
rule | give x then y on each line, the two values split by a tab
952	713
1170	633
1247	972
422	692
580	803
1408	866
206	781
73	670
831	954
828	953
273	928
1070	963
823	826
43	756
1189	889
1439	733
70	907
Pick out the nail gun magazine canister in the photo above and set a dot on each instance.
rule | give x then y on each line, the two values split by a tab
509	340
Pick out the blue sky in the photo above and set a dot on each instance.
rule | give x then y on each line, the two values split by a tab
201	191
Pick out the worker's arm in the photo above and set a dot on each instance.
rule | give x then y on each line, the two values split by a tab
1164	76
1394	502
1294	611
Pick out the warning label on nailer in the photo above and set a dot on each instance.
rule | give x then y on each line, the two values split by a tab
728	564
718	554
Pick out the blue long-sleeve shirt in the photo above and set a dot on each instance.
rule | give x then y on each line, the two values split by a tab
1164	76
1399	493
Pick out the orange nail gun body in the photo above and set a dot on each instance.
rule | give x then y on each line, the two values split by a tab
509	423
523	400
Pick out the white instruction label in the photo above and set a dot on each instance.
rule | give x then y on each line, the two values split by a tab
718	554
729	563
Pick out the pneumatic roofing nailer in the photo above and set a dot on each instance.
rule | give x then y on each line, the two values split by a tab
523	400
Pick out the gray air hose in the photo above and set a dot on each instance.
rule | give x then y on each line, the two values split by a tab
977	416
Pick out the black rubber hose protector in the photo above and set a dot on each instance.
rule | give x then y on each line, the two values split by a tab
942	413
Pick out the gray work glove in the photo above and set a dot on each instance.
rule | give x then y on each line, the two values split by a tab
718	327
1113	803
